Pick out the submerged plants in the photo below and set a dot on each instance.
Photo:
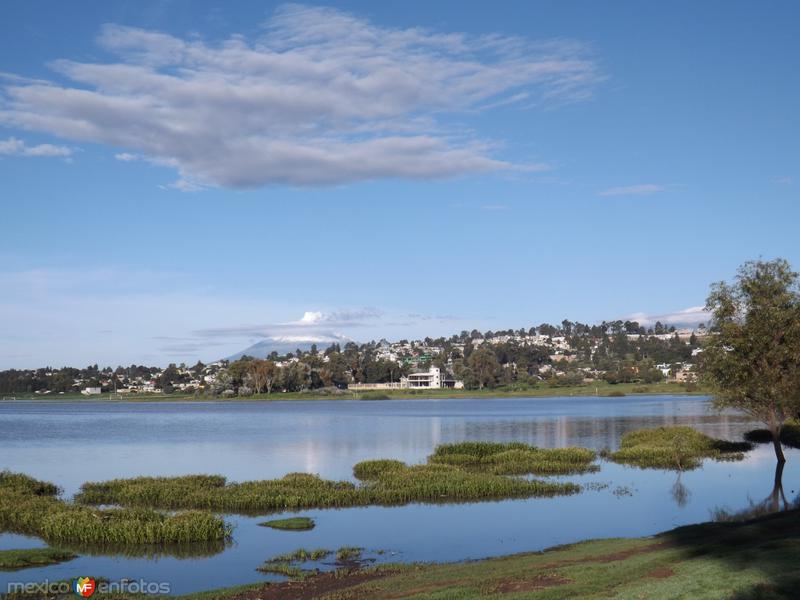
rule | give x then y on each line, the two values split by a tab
679	448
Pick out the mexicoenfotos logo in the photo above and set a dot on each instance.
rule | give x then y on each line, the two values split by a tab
84	586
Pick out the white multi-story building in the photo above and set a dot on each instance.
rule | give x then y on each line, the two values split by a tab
432	378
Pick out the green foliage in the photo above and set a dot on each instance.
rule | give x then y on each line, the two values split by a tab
679	448
13	560
291	524
373	469
26	485
285	569
30	507
514	458
385	482
348	553
751	358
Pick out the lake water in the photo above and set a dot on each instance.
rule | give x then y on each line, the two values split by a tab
70	443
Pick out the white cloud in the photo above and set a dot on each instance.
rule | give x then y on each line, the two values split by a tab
643	189
16	147
126	157
322	97
688	317
785	180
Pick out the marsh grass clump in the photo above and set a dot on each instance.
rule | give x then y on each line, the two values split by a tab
300	555
290	524
24	484
678	448
374	469
31	507
14	560
348	554
285	569
386	483
515	458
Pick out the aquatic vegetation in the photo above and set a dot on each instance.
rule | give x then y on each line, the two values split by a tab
13	560
32	507
348	554
290	524
301	555
515	458
387	483
373	469
285	569
679	448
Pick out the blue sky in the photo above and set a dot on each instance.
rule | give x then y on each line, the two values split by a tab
181	179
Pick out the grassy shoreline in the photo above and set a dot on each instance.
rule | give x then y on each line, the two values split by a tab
746	560
599	389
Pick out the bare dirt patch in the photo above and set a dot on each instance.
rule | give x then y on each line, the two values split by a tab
539	582
661	573
308	589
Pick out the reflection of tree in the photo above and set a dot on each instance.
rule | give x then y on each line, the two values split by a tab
763	539
680	493
775	502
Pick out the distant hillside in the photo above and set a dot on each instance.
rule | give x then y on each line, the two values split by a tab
264	348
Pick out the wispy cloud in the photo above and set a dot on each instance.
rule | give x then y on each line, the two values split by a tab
688	317
314	323
642	189
785	180
16	147
321	97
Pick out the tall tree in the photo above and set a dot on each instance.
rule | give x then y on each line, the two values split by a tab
752	357
483	364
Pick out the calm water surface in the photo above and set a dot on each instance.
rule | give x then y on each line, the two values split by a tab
70	443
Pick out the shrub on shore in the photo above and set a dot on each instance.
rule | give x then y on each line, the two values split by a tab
31	507
679	448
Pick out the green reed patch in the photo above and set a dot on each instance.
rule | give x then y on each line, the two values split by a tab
285	569
386	483
515	458
374	469
678	448
349	554
290	524
13	560
31	507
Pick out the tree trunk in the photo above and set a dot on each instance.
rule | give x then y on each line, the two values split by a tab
776	442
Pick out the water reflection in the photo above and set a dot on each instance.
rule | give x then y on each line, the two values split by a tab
265	440
775	501
679	492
